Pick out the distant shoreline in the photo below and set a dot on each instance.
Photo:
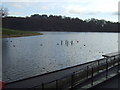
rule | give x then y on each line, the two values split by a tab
80	31
9	33
10	36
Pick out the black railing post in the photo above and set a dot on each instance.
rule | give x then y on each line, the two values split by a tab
114	61
72	80
87	71
118	66
106	68
114	57
92	77
42	86
98	66
56	84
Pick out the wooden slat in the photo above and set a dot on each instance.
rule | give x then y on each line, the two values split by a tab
111	54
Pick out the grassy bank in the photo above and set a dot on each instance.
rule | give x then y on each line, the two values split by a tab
17	33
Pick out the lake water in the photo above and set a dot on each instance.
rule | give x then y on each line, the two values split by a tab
25	57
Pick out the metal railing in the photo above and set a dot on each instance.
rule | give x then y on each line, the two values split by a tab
79	76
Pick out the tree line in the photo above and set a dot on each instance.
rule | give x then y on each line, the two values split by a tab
44	22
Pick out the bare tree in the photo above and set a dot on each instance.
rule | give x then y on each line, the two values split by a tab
3	12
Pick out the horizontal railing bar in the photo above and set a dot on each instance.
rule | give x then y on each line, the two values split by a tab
104	59
52	72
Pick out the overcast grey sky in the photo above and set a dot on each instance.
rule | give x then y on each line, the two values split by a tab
83	9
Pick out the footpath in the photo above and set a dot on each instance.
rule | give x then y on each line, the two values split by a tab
106	79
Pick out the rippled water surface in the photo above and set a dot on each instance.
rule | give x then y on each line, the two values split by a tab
25	57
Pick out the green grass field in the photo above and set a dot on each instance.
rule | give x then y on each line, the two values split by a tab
17	33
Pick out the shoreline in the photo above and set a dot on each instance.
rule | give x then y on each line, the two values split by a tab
9	33
19	35
78	31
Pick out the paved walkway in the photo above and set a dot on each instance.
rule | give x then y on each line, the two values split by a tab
110	83
100	78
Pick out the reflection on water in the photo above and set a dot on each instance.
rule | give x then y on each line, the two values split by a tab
29	56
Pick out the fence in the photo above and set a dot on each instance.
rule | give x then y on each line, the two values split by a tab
87	72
